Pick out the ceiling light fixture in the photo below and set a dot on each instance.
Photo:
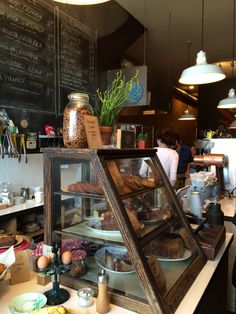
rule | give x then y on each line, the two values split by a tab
202	72
82	2
230	101
186	116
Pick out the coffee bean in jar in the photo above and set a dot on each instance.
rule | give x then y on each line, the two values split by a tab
74	135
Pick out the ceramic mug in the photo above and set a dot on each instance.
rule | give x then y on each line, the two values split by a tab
38	196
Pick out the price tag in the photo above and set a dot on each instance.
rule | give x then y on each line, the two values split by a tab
92	132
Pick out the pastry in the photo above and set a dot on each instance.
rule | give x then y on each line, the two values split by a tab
84	187
7	239
118	262
108	221
170	247
154	214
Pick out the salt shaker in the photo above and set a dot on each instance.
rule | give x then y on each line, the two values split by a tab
103	303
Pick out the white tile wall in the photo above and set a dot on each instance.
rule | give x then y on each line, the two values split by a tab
22	174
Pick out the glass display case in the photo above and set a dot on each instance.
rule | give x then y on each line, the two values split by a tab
116	210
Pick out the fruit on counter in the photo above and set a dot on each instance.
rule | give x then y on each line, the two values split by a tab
2	268
54	310
58	310
43	262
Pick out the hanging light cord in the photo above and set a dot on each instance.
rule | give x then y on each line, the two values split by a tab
189	43
145	35
169	46
202	23
232	63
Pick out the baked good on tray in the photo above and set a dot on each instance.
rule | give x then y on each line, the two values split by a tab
7	239
171	247
84	187
118	262
154	214
108	221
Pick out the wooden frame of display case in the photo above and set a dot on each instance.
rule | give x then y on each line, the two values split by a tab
53	158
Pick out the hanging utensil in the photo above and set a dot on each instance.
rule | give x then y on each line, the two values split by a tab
20	149
14	145
24	149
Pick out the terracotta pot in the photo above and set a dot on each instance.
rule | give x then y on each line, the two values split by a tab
141	144
106	133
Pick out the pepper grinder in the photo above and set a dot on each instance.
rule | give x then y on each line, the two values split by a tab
103	303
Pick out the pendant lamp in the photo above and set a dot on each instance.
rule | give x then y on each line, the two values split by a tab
82	2
202	72
230	101
186	116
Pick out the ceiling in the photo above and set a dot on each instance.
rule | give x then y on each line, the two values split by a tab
170	24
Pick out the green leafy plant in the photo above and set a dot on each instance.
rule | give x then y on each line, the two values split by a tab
142	137
113	100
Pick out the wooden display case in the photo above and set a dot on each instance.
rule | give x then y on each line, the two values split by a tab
100	204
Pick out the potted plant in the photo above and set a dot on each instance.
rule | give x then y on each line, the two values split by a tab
113	100
141	140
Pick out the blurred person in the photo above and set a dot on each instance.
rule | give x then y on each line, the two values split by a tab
185	160
168	157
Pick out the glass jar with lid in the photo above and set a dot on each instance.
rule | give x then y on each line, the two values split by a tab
74	135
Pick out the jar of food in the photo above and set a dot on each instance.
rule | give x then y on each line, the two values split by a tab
74	135
78	268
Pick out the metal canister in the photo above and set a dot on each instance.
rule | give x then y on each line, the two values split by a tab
214	214
74	135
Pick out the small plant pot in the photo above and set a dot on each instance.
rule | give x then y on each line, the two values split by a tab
106	133
141	144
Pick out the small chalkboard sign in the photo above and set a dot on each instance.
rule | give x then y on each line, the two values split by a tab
92	132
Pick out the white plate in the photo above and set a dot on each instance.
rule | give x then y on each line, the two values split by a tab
100	258
187	255
94	224
25	303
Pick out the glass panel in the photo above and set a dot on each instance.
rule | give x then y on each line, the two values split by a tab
85	223
152	211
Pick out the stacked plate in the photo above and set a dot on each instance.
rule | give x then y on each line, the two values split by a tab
30	227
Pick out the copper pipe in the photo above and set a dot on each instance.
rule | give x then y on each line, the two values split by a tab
217	160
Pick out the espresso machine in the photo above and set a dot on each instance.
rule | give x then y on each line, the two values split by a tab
212	161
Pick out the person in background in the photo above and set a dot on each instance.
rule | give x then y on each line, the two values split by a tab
168	156
185	159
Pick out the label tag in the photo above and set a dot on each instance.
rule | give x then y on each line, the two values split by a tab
92	132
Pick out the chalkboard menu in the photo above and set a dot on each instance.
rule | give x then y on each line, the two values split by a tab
76	58
44	54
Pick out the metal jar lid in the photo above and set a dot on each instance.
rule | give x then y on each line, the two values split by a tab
78	96
78	100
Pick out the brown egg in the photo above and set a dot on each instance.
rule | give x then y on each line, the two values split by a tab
66	257
43	262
